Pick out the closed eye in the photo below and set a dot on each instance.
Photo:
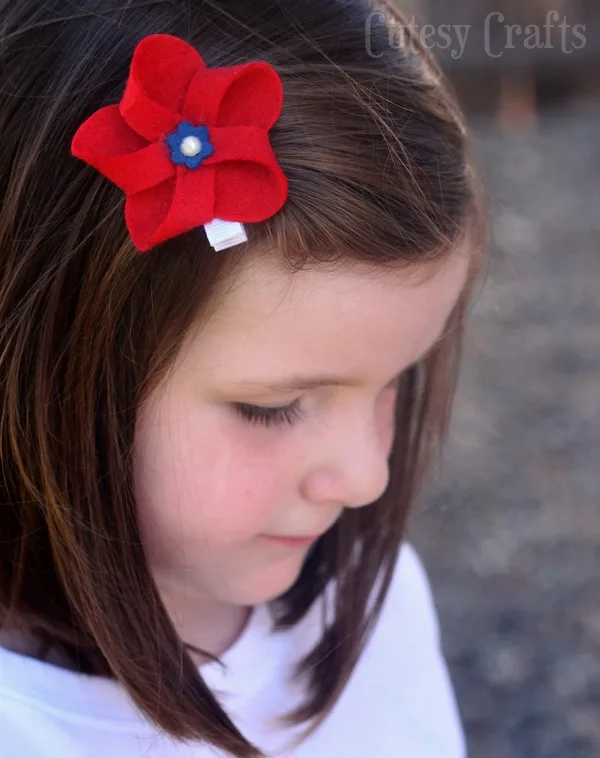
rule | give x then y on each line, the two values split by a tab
265	416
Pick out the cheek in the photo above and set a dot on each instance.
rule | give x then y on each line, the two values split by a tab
207	479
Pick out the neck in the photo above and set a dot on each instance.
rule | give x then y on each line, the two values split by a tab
211	626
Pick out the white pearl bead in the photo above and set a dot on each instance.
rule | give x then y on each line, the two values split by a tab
191	146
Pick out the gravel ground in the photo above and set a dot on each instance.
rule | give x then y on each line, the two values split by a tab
510	532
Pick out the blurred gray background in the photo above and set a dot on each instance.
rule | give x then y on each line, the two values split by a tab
510	531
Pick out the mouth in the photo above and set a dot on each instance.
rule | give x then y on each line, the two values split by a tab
293	542
297	541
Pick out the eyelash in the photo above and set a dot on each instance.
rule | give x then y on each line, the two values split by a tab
288	415
257	414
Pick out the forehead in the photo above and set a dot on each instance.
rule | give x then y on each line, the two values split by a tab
353	319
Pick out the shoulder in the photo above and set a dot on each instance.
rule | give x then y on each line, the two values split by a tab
409	606
405	662
24	726
407	630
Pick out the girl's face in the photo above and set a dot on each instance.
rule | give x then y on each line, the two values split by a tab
215	478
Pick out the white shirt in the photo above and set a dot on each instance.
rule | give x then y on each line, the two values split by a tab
398	703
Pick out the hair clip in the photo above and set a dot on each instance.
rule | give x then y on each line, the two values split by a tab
189	145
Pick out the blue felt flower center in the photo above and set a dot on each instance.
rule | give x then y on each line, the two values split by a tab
189	145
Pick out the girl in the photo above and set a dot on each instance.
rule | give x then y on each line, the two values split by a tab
220	401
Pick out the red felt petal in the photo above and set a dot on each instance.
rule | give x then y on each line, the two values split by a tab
161	70
192	205
248	192
232	143
106	142
249	94
105	133
145	211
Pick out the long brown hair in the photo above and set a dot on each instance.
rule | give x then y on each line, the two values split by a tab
380	171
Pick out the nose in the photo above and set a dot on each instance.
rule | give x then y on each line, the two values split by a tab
350	465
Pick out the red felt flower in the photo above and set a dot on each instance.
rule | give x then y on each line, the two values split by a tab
139	143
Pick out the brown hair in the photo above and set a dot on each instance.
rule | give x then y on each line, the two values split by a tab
380	170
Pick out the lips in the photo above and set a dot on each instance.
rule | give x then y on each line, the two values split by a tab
298	540
292	541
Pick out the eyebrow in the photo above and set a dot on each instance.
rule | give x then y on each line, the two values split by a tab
301	382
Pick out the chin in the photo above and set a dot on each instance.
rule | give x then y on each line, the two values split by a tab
266	584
